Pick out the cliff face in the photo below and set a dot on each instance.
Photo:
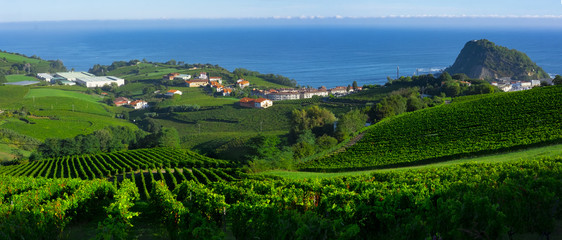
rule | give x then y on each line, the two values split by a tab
485	60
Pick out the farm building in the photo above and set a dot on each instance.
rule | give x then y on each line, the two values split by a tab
196	83
243	84
121	101
255	103
216	79
45	77
139	104
90	80
173	92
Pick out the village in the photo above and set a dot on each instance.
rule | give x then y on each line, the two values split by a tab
265	97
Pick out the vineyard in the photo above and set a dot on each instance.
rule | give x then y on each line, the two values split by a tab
142	167
471	126
465	201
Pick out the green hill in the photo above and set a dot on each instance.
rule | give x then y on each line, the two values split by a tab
485	60
469	126
12	63
43	112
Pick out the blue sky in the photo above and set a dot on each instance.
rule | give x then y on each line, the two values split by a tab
60	10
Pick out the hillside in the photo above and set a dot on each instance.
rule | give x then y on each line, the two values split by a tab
12	63
470	126
485	60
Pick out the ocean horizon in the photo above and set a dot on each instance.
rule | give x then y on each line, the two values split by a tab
313	56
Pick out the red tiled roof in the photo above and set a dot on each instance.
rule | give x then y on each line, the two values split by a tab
259	100
246	100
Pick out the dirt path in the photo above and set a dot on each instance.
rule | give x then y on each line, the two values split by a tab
350	143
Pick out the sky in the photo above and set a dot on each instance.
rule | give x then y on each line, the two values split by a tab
64	10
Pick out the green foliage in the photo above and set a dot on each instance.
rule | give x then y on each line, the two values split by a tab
118	221
105	140
557	80
485	124
465	201
14	63
278	79
3	78
319	120
350	123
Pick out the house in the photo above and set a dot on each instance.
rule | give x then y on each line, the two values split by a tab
246	102
278	96
255	103
217	86
170	76
309	93
243	84
203	75
216	79
226	91
526	84
121	101
197	83
466	83
338	91
505	87
139	104
262	103
182	77
173	92
535	83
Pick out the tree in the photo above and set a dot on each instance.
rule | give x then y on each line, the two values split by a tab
451	89
354	85
350	123
3	78
263	147
445	77
319	120
325	142
557	80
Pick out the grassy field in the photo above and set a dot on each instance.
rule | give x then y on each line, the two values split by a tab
46	92
11	95
68	125
196	96
19	78
6	152
18	58
532	153
260	83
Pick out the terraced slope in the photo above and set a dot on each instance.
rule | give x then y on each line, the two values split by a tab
470	126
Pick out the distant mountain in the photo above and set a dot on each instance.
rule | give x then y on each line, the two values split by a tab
485	60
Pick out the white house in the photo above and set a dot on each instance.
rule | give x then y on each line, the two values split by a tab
283	96
216	79
139	104
203	75
243	84
262	103
183	77
173	91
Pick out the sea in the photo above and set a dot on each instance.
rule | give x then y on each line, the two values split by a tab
313	56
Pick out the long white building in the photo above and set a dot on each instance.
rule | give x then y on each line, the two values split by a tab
90	80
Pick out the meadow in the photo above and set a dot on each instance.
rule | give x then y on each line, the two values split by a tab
19	78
